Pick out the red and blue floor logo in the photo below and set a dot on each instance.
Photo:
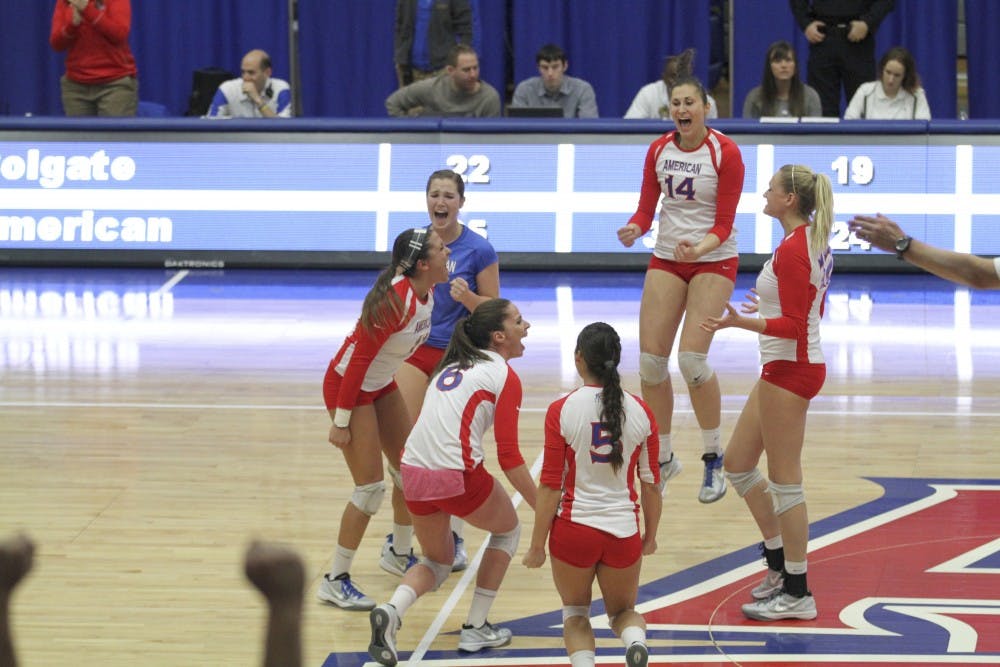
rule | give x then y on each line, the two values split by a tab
912	578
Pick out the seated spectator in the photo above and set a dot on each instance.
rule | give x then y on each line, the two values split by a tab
653	99
255	94
896	95
457	92
781	92
554	89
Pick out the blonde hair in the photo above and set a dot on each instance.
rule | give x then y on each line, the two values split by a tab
815	193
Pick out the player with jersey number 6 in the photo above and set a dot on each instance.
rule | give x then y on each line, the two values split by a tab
698	174
598	441
788	301
444	476
474	277
369	414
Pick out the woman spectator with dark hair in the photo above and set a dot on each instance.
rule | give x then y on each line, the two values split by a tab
781	92
653	99
896	95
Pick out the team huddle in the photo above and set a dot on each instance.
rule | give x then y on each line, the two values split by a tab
425	374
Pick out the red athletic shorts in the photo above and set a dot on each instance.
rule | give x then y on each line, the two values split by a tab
687	270
583	546
426	358
478	486
803	380
331	387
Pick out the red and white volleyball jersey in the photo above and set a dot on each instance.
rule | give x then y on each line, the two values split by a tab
792	289
459	407
369	361
576	461
698	191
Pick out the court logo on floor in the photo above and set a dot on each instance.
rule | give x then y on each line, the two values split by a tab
910	578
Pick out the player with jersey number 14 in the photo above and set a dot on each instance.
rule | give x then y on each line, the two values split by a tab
697	172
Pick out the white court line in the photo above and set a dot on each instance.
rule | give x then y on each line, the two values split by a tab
169	285
463	583
852	411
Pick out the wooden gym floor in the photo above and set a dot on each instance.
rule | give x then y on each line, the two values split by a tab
152	422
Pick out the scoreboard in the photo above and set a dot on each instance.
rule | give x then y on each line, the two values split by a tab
528	193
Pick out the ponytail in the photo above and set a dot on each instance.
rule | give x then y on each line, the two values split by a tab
474	333
382	306
601	350
815	195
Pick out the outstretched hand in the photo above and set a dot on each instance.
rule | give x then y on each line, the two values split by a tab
728	319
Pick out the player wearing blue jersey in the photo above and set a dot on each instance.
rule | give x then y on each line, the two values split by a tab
474	277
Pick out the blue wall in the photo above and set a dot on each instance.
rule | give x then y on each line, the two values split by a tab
345	47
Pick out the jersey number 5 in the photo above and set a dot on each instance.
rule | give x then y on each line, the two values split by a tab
684	189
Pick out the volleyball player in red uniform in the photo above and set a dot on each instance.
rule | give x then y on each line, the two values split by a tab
369	415
788	300
444	476
474	277
598	441
697	174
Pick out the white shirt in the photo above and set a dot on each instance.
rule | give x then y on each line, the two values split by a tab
870	102
653	101
459	407
576	461
231	102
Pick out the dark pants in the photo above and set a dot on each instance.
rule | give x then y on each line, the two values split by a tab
836	62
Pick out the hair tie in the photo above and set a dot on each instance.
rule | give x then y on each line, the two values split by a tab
609	364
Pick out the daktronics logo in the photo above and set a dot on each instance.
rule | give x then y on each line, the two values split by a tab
53	171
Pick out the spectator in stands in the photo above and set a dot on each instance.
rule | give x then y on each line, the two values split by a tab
255	94
653	99
457	92
100	77
841	36
425	33
896	95
781	92
554	89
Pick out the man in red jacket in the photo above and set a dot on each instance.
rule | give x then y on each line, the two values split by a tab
100	77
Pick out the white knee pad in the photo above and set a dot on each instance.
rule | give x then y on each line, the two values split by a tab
786	496
569	611
397	479
744	481
368	497
694	368
506	542
653	368
439	570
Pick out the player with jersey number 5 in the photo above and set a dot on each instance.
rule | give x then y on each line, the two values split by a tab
444	473
788	302
698	174
473	269
598	441
369	414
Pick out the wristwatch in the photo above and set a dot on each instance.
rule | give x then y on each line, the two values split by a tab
902	245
